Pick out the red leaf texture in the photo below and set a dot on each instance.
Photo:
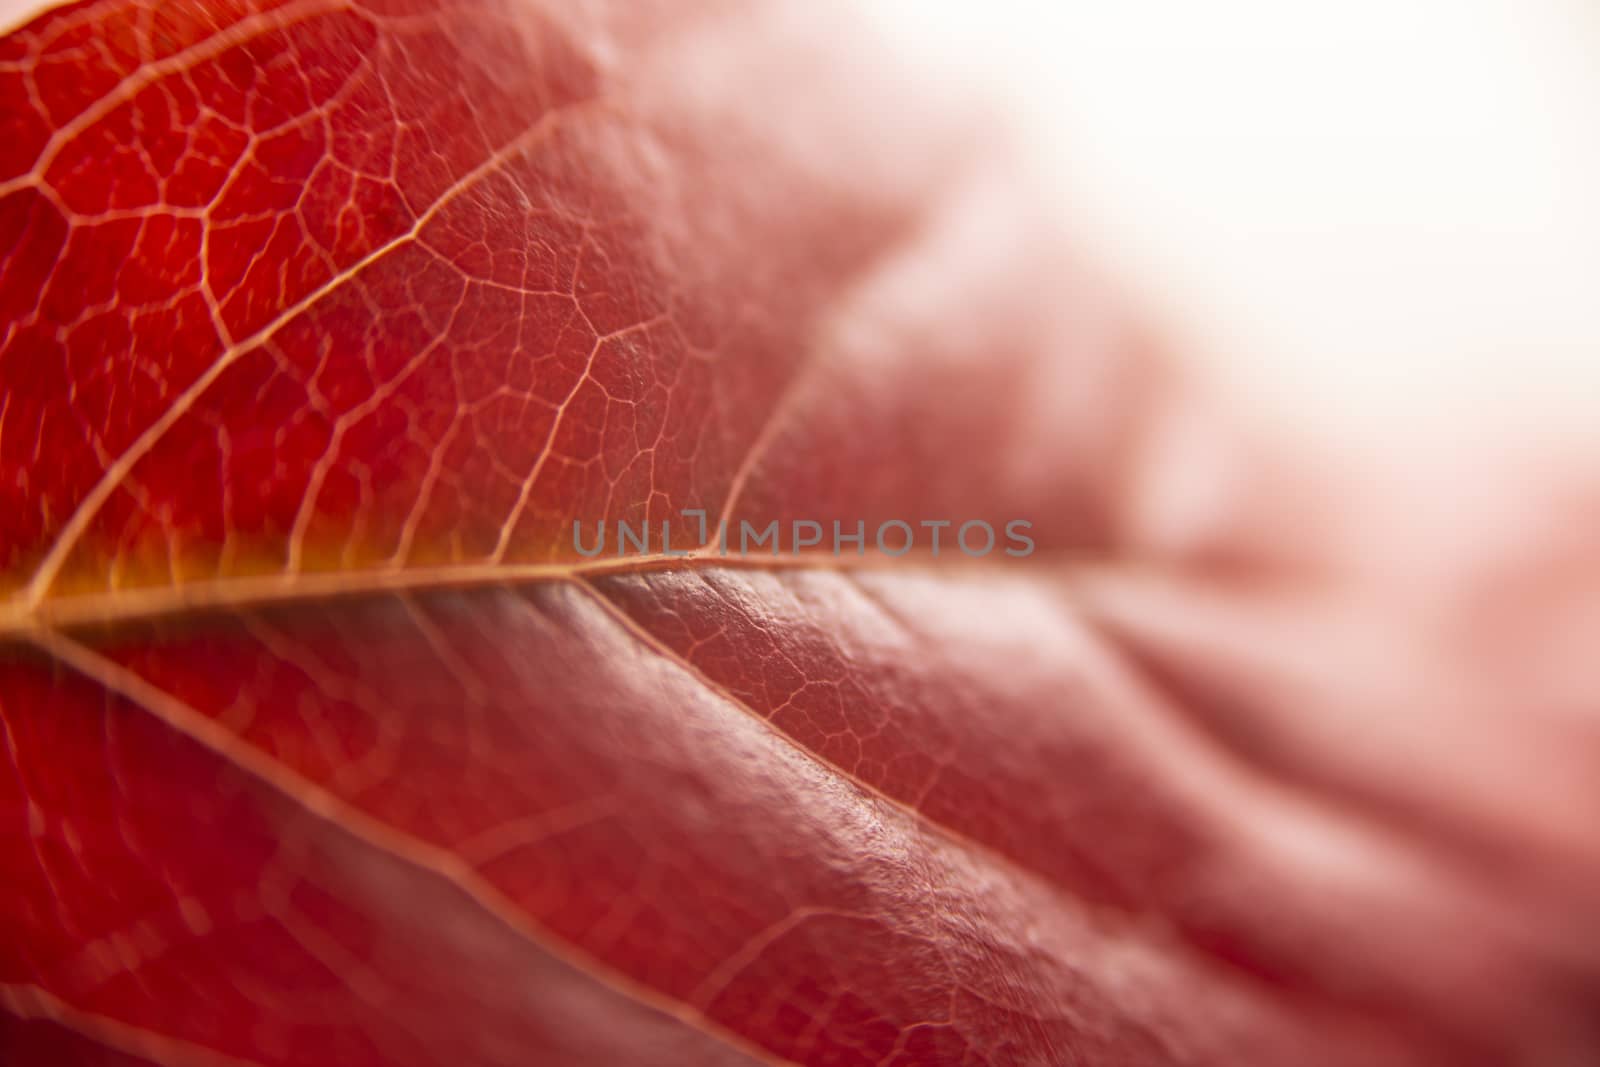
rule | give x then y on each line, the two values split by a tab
323	322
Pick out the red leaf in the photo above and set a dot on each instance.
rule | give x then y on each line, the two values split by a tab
321	326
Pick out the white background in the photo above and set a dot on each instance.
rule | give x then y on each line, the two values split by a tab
1375	216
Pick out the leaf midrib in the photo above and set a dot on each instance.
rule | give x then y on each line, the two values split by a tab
19	617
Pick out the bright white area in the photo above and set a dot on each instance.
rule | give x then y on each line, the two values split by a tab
1375	215
14	13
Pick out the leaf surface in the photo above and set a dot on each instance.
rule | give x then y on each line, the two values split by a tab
323	322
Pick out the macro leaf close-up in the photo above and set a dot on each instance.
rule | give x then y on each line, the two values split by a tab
616	533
